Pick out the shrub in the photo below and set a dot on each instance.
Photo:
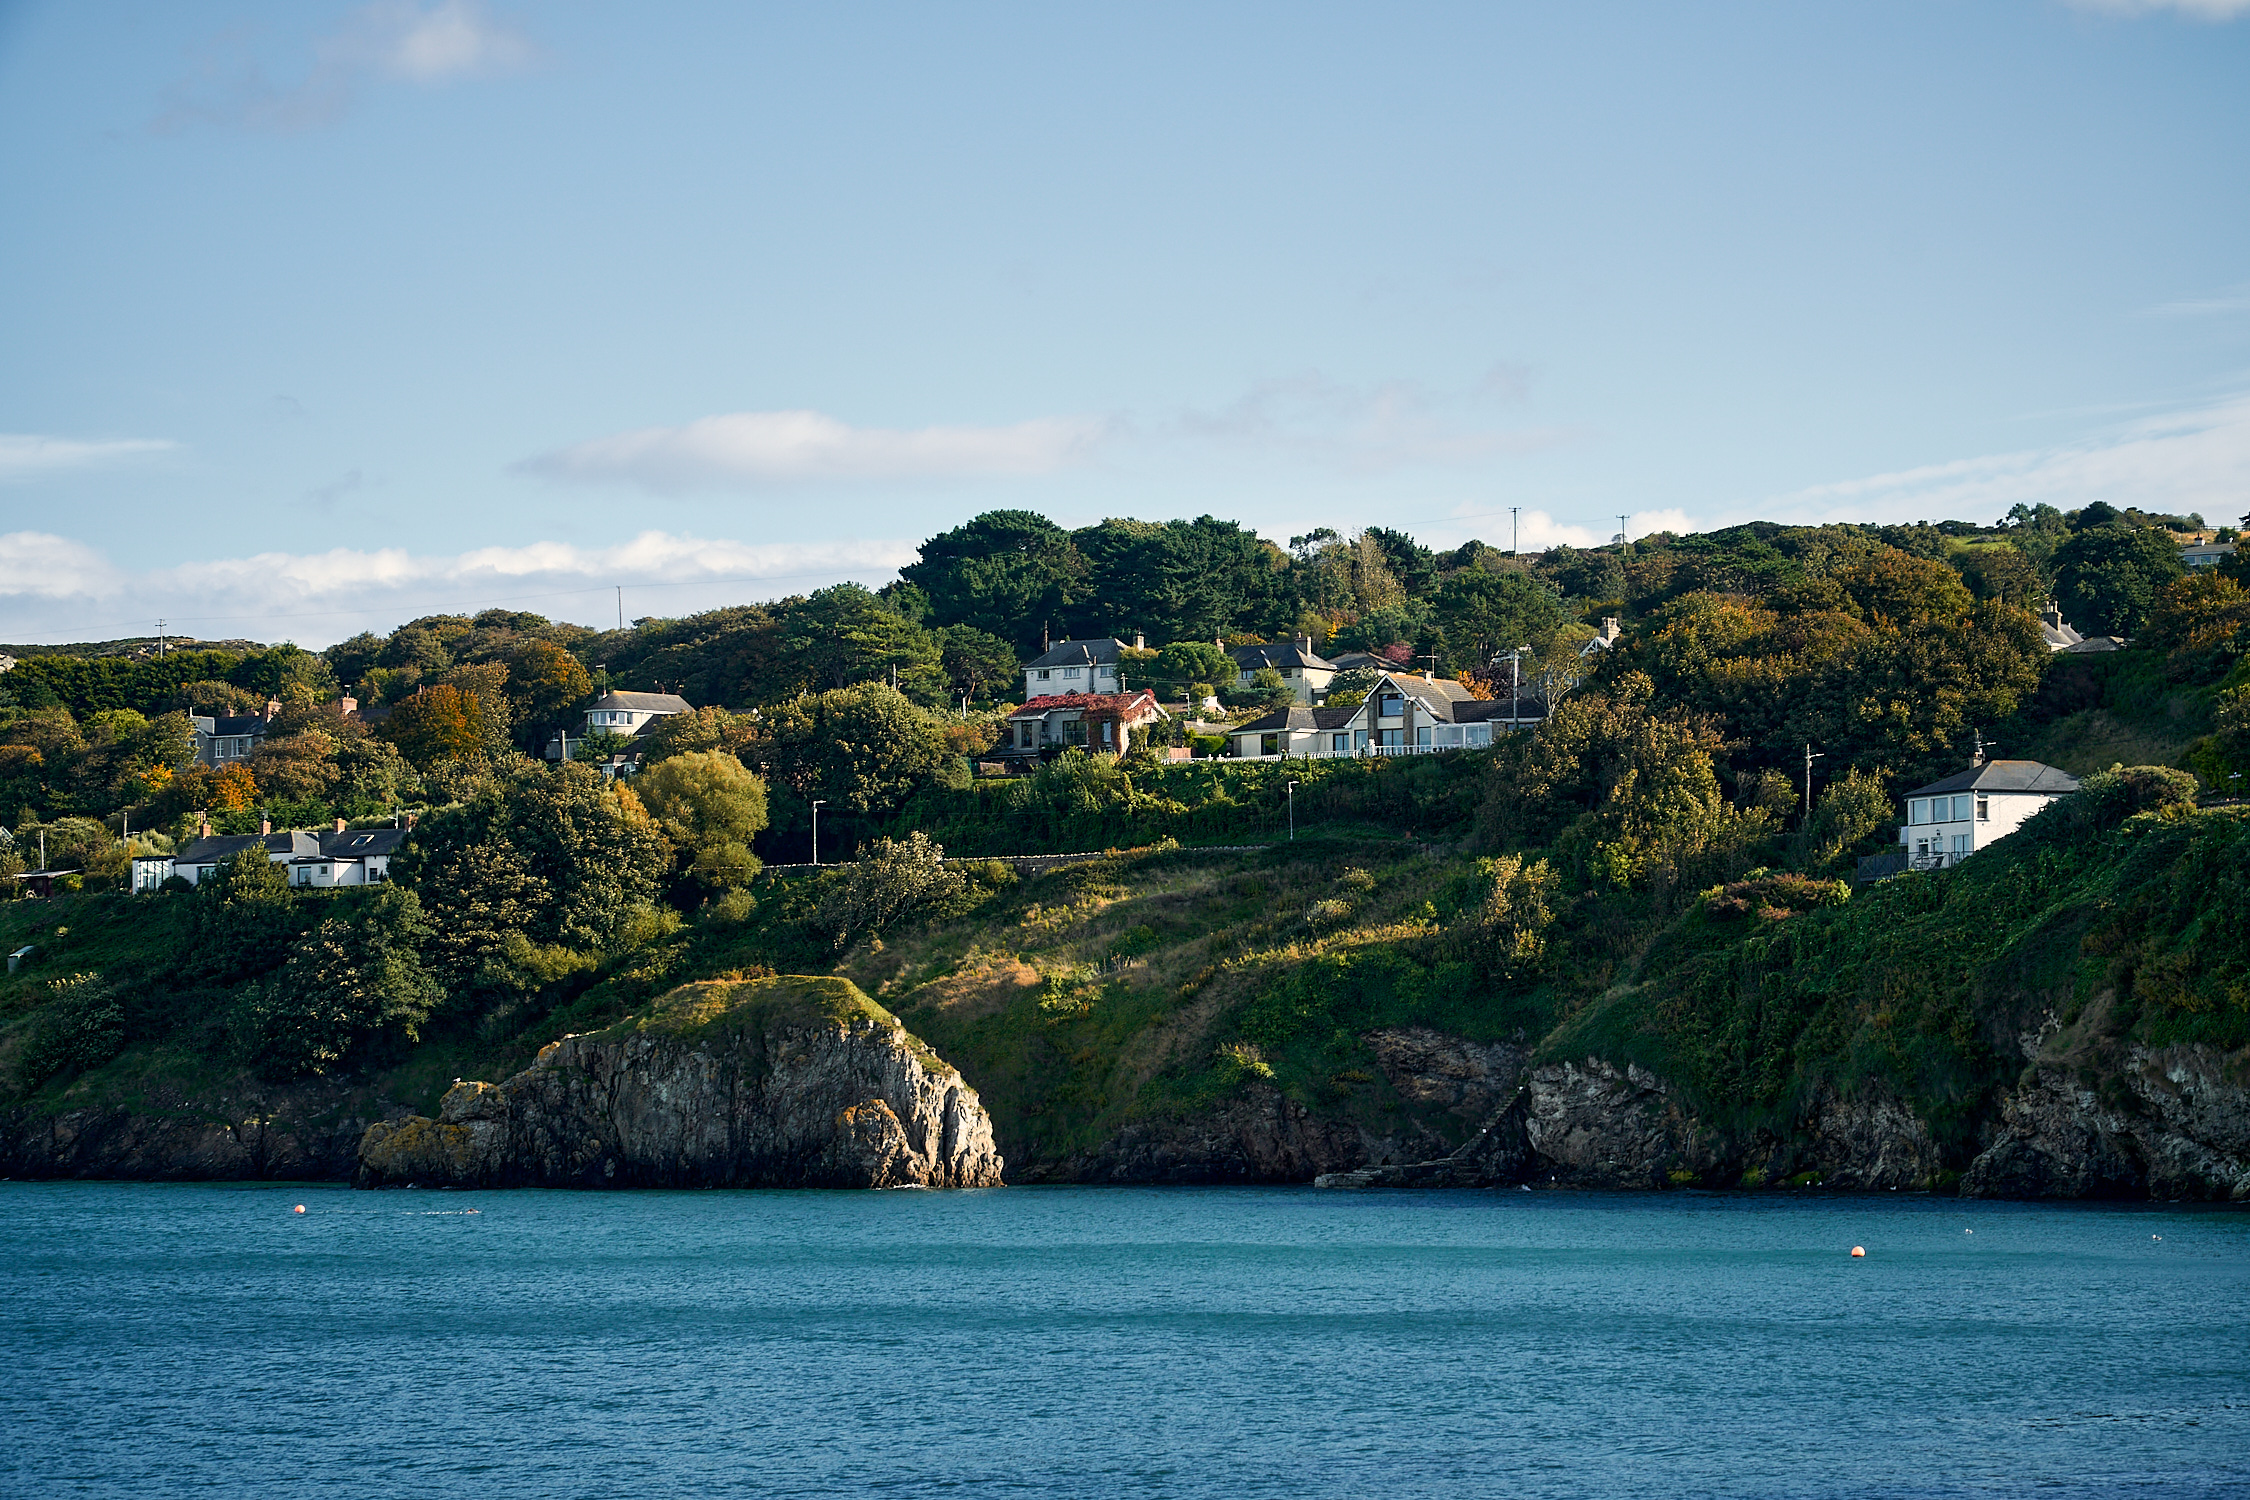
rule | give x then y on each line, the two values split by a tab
894	877
83	1027
346	982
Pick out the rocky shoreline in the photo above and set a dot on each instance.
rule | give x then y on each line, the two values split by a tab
771	1084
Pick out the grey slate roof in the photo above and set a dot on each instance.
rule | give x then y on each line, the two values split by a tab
238	725
647	703
2004	776
1498	708
1277	654
227	845
362	843
1102	652
1352	661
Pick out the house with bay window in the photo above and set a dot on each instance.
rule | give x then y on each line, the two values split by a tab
1403	714
1949	820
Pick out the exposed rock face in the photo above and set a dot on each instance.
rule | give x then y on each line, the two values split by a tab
301	1132
1469	1079
766	1083
1592	1124
2173	1123
1261	1137
1872	1141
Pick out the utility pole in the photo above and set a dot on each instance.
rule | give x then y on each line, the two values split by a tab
1292	812
621	606
1515	686
1811	755
159	637
1515	529
1624	537
816	828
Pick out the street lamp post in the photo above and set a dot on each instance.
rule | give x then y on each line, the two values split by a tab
1515	686
816	828
1292	812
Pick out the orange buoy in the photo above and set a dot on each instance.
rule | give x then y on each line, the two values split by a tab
1859	1252
301	1209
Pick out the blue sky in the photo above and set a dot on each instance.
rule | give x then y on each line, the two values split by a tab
318	316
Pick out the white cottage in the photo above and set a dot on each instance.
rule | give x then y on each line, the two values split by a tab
1949	820
1404	714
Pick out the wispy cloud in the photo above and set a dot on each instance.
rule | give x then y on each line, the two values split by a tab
2235	300
2180	462
761	448
390	39
1372	428
26	455
1538	530
2200	10
56	588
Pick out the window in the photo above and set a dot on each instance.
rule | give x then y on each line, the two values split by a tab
1269	744
1422	737
1108	732
1390	706
1359	740
1918	811
1961	808
1044	674
1960	845
1070	671
1339	743
1984	809
1074	731
1392	738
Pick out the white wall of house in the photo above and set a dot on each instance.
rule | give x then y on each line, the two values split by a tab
1048	681
1948	828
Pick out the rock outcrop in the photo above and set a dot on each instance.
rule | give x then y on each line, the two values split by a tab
2172	1122
793	1082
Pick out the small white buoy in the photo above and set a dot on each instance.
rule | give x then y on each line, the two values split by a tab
1968	1231
300	1208
1859	1252
1523	1187
2156	1236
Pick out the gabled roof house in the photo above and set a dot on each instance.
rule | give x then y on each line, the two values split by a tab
1405	713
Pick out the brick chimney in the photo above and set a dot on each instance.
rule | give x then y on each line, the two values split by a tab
202	825
265	825
346	706
273	706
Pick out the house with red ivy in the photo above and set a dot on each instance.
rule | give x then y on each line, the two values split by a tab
1102	723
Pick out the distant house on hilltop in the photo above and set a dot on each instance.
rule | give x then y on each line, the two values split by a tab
219	739
630	714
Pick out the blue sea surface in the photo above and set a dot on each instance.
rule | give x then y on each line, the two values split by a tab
171	1339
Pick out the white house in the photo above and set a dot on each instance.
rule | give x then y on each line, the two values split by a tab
1307	674
1949	820
2206	554
1404	714
1102	723
630	713
339	857
1604	639
1074	667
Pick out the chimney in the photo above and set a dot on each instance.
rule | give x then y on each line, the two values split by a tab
1140	641
340	825
273	706
265	824
346	707
410	822
202	825
1610	632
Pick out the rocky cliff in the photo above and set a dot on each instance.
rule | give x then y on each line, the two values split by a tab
2170	1123
793	1082
307	1131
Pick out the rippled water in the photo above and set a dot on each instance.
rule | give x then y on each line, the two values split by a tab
1229	1342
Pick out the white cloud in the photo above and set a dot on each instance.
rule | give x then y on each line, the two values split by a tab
24	455
1537	530
783	447
2200	10
40	565
55	589
398	39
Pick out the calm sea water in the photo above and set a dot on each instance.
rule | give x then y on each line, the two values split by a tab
1089	1342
